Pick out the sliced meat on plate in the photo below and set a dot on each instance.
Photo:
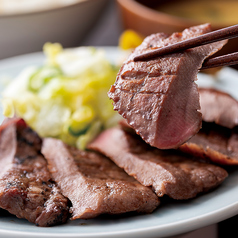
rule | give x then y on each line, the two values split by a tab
216	143
94	184
26	187
167	171
159	98
218	107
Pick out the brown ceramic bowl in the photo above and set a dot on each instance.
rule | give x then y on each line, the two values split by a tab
142	17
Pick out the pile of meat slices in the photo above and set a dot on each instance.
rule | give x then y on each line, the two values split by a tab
47	182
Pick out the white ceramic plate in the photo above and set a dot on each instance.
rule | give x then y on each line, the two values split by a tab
171	218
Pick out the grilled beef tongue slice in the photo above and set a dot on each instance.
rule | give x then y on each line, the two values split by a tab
94	184
218	107
159	98
214	142
26	187
167	171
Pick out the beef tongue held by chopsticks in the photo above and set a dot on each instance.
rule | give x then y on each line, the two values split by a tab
159	98
217	141
26	187
94	184
167	171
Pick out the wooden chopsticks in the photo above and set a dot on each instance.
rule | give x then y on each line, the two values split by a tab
224	60
214	36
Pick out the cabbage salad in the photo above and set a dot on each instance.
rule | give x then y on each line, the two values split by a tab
66	97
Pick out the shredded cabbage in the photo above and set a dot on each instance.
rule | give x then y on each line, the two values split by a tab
65	98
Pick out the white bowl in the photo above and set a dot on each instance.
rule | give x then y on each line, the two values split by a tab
25	32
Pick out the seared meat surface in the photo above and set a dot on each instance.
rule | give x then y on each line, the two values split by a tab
218	107
94	184
216	143
159	98
167	171
218	138
26	187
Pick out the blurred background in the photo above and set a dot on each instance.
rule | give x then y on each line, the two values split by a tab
25	26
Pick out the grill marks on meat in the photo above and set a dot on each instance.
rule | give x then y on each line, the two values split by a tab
216	143
159	98
26	188
94	184
167	171
218	107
